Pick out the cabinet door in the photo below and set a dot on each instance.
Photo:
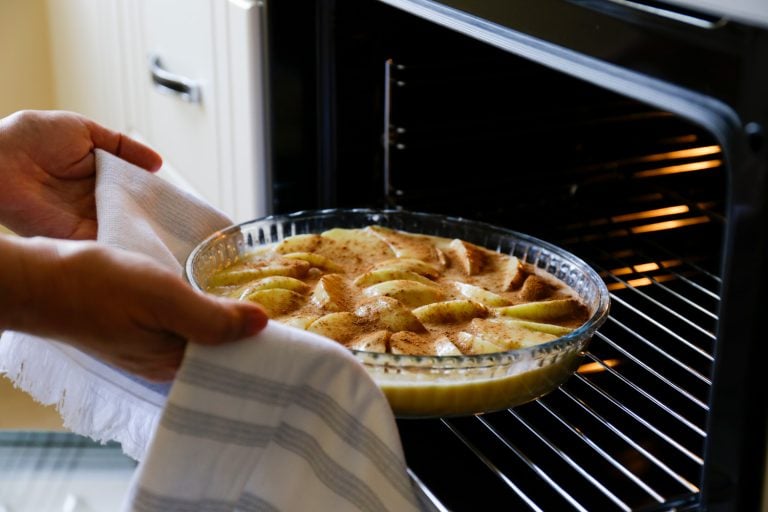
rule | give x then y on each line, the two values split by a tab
176	46
197	75
86	57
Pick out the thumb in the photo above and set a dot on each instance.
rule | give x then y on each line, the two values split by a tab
212	320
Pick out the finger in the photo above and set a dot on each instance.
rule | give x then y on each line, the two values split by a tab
213	320
159	361
156	357
123	146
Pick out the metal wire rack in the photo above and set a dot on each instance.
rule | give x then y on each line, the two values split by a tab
626	432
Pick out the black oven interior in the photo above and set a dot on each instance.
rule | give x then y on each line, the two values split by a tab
376	107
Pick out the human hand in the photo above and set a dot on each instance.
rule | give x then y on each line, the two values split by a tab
120	307
47	169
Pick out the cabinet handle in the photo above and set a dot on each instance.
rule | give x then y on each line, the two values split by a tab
166	82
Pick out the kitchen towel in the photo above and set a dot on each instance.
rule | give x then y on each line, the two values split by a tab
286	420
136	211
280	422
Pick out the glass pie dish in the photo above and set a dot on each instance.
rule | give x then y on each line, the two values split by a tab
421	386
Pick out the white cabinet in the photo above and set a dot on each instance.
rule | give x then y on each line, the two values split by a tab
86	59
185	76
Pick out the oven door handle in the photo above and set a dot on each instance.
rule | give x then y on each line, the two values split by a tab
184	88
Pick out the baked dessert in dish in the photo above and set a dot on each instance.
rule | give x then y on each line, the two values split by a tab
449	316
383	290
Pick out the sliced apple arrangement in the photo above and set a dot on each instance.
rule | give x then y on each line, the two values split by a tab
378	289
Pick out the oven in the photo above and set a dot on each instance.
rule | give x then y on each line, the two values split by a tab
631	133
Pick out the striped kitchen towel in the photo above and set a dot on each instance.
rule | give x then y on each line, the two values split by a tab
140	212
286	421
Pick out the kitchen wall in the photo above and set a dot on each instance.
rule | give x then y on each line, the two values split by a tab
25	65
26	82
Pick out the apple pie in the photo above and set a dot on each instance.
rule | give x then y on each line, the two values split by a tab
377	289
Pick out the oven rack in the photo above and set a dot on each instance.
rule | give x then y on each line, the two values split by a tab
627	431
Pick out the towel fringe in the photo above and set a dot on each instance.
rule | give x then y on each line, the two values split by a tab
88	404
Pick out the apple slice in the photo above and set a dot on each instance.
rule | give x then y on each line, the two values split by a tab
389	313
359	243
409	265
450	312
409	245
514	273
557	330
509	334
273	282
481	295
475	344
381	275
300	322
371	342
445	347
342	326
257	270
410	293
411	343
541	311
331	293
316	260
299	243
471	257
276	300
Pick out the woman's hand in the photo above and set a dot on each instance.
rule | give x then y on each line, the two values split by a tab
47	171
121	307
